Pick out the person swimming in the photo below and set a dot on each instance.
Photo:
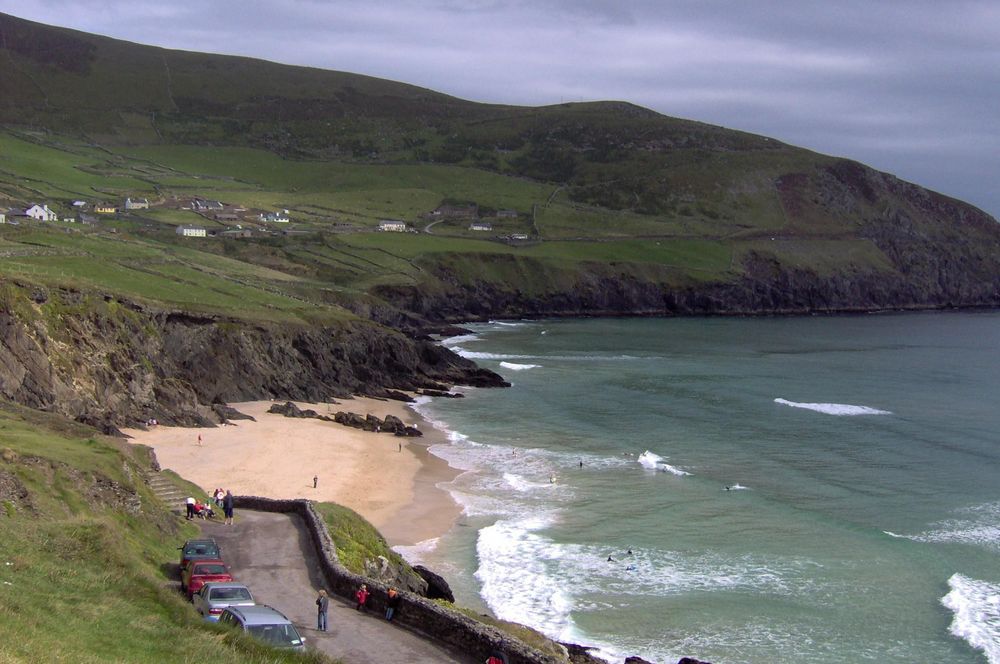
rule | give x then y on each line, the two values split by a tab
610	559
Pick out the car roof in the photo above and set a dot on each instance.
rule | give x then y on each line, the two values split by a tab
258	614
195	542
206	561
225	584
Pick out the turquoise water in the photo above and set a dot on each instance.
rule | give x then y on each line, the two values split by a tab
862	456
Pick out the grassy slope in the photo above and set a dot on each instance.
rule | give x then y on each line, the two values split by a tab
84	582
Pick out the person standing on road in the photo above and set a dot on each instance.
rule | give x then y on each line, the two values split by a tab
322	605
190	507
227	507
391	604
361	596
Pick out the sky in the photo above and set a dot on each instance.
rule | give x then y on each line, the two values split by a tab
910	87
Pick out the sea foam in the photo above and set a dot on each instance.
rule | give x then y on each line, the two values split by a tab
654	461
518	367
841	409
976	608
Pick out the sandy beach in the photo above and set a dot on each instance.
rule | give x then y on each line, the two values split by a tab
389	480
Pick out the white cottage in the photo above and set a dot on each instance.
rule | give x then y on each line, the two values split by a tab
41	213
392	226
192	231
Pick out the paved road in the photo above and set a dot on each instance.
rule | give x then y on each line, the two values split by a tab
273	555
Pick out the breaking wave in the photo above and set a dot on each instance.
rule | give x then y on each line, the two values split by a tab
518	367
976	608
834	408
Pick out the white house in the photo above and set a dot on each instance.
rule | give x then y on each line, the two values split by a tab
191	231
136	203
41	213
275	217
392	226
3	218
480	226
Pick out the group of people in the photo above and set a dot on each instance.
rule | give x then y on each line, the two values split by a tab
361	596
223	499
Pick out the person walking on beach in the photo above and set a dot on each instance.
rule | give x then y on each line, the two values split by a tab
391	604
227	507
322	606
199	440
315	480
362	597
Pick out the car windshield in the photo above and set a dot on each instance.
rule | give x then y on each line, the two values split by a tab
210	569
230	594
203	549
279	635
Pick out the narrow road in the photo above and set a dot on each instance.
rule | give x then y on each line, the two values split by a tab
274	556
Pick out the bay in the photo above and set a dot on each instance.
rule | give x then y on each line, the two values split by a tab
817	489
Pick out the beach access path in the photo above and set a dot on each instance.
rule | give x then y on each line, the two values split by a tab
273	555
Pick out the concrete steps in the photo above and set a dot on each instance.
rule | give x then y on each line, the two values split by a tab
167	491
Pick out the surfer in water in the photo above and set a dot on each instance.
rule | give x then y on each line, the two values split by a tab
610	559
552	478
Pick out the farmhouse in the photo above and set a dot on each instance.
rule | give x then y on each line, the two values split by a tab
136	203
274	217
41	213
202	205
507	214
191	231
480	226
3	218
105	208
393	226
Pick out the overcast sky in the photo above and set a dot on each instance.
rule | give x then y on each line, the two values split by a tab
910	87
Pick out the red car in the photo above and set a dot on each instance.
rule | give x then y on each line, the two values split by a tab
200	572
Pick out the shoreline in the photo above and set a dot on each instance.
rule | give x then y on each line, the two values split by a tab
391	481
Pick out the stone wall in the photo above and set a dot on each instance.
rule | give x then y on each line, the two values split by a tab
416	613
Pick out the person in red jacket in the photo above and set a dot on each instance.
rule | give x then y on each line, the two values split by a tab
361	596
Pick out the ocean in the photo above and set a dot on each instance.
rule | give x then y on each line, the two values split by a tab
802	489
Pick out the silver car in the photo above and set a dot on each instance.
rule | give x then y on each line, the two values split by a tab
215	596
264	623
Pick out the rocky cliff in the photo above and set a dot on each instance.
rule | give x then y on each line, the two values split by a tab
112	363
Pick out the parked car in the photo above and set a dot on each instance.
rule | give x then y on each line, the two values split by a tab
215	596
200	572
264	623
199	549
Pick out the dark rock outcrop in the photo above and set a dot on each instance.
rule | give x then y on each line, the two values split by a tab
437	587
112	363
227	413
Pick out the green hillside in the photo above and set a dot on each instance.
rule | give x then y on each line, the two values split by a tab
88	556
599	207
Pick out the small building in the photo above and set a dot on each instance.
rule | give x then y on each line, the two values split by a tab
506	214
202	205
84	218
79	204
456	211
392	226
480	226
3	218
518	236
274	217
41	213
105	208
236	233
192	231
136	203
226	216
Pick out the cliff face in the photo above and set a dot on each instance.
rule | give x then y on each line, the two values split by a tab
111	363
